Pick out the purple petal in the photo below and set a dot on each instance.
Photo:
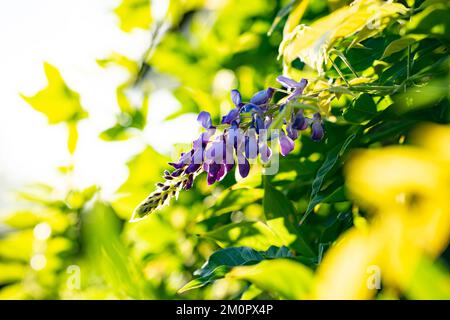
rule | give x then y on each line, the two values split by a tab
262	97
251	146
244	168
265	152
221	173
258	123
317	116
287	82
204	118
236	97
292	132
300	122
214	168
192	168
231	116
188	183
286	144
303	83
295	94
185	158
250	107
211	178
317	131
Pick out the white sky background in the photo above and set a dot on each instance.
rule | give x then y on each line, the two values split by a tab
70	34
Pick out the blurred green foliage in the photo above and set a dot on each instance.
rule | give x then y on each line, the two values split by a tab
262	237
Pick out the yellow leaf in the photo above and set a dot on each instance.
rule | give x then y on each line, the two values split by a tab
73	137
295	16
360	80
134	14
57	101
311	43
346	268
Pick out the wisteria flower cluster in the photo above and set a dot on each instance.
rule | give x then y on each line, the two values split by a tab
244	134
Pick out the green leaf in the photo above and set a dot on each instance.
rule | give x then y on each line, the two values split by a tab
362	109
255	234
57	101
282	13
107	253
332	157
401	44
220	262
431	280
286	278
217	273
433	20
232	200
279	213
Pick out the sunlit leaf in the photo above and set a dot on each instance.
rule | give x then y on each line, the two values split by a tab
401	44
329	163
221	261
256	235
286	278
73	137
279	213
134	14
57	101
429	281
310	43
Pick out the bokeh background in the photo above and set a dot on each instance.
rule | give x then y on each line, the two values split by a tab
96	97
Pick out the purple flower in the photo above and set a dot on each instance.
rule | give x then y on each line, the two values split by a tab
265	152
299	121
188	182
185	158
286	144
213	172
251	144
297	87
317	127
218	157
204	118
262	97
291	131
244	168
233	115
258	123
236	98
251	107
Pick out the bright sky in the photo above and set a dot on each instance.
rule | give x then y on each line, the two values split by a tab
70	34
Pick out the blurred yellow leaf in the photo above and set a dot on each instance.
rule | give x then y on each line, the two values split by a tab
134	14
11	272
145	170
57	101
17	246
343	273
73	137
406	189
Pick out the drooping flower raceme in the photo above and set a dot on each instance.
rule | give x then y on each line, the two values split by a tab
245	134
